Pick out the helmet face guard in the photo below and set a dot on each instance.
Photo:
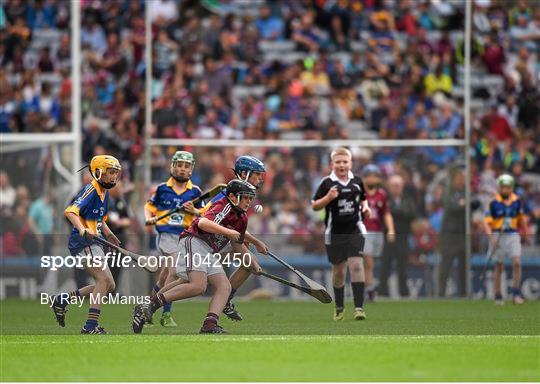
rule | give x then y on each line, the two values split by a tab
250	165
107	184
240	188
99	166
182	157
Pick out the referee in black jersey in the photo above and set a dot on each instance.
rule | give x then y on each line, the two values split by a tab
343	197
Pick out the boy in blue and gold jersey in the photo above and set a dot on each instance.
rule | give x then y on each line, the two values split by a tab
505	218
177	191
87	212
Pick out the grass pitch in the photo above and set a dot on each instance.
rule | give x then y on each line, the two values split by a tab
289	341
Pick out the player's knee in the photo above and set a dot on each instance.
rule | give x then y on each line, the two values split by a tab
368	263
516	263
200	288
338	273
226	287
111	285
357	268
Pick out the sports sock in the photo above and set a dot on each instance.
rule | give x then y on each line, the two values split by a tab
516	292
155	289
210	320
233	291
157	301
358	294
338	296
167	307
92	320
63	298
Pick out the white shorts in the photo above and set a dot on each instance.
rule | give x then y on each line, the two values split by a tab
195	255
509	245
94	250
374	244
168	243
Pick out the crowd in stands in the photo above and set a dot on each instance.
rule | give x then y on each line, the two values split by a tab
112	59
35	66
291	70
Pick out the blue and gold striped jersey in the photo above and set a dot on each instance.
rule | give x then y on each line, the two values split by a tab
217	197
166	198
505	216
91	205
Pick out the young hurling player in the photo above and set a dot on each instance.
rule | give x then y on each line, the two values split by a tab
198	261
502	223
177	191
87	212
380	217
252	170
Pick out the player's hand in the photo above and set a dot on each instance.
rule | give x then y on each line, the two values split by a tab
87	233
189	207
233	235
333	193
261	247
113	239
391	237
254	266
151	221
256	270
366	211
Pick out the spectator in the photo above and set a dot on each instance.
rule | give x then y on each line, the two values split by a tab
306	35
452	242
493	56
403	211
41	213
496	124
7	194
119	220
92	35
524	33
41	15
269	27
316	81
438	82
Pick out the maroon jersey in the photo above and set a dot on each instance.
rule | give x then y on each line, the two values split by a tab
223	213
378	203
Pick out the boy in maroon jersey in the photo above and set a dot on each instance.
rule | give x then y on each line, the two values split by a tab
378	202
198	260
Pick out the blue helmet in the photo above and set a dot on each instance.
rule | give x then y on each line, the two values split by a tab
371	169
249	164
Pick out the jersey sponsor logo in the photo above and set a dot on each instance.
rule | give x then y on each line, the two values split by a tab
220	216
176	219
345	207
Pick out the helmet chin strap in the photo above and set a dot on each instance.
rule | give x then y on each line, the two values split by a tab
102	183
180	179
236	205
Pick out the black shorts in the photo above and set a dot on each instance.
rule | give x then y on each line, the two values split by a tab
347	246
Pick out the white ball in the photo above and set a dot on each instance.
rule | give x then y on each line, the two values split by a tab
258	208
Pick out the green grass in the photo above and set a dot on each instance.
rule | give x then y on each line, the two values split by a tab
290	341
